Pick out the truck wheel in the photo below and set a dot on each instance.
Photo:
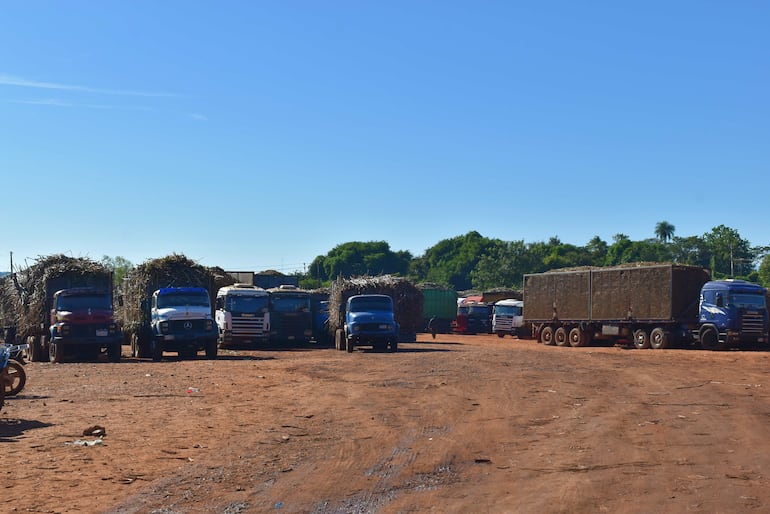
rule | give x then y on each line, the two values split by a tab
546	336
349	345
560	337
393	346
114	352
55	352
14	378
576	337
501	335
34	350
157	351
709	339
641	339
339	339
660	339
211	349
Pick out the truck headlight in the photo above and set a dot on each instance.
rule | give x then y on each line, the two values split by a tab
164	327
356	328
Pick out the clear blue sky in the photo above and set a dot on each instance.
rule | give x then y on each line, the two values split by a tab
257	135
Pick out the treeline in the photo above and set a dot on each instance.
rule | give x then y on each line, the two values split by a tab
472	261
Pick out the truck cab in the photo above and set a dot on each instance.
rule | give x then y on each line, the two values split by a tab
181	321
507	317
732	312
291	319
369	320
242	315
82	321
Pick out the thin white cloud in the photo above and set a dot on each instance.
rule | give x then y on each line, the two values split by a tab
9	80
55	102
198	116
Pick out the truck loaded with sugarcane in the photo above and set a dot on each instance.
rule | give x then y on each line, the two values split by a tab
648	305
62	307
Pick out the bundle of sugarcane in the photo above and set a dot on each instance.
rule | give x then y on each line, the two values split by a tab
407	299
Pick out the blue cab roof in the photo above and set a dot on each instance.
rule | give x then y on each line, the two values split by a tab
181	290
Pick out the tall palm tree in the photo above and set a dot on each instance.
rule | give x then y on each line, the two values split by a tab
664	230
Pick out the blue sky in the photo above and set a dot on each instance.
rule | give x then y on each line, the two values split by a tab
257	135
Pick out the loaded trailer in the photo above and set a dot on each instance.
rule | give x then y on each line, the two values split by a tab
650	306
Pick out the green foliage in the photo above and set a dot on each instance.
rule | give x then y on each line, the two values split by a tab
472	261
358	259
120	266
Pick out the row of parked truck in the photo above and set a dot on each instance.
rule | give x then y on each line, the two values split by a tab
63	306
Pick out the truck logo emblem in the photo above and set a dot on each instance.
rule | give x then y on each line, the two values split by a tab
187	325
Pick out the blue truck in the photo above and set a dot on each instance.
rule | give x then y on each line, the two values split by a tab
649	306
369	320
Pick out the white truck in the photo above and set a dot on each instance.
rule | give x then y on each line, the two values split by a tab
508	317
242	315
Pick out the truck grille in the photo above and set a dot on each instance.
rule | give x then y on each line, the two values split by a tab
182	325
371	327
752	323
86	330
248	326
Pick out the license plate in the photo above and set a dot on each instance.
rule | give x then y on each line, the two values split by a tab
101	332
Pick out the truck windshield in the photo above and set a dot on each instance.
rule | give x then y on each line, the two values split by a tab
183	299
241	303
83	302
478	311
507	310
290	303
370	304
747	301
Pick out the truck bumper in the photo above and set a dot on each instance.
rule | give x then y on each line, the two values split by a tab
102	342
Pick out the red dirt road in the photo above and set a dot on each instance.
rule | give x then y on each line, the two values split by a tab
460	424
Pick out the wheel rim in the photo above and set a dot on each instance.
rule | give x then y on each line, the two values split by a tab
560	337
546	336
659	339
641	339
576	337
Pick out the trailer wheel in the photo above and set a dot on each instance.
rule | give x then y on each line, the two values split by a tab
641	339
709	339
660	339
14	378
546	336
560	337
577	337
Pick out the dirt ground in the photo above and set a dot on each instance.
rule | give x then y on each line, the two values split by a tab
460	424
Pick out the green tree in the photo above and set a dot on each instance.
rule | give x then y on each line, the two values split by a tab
120	266
730	254
450	261
358	259
664	231
503	265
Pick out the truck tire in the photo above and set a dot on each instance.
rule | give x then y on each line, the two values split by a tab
546	335
641	339
114	352
500	334
211	349
577	337
709	339
660	339
34	350
339	339
157	351
560	337
349	344
394	346
55	352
